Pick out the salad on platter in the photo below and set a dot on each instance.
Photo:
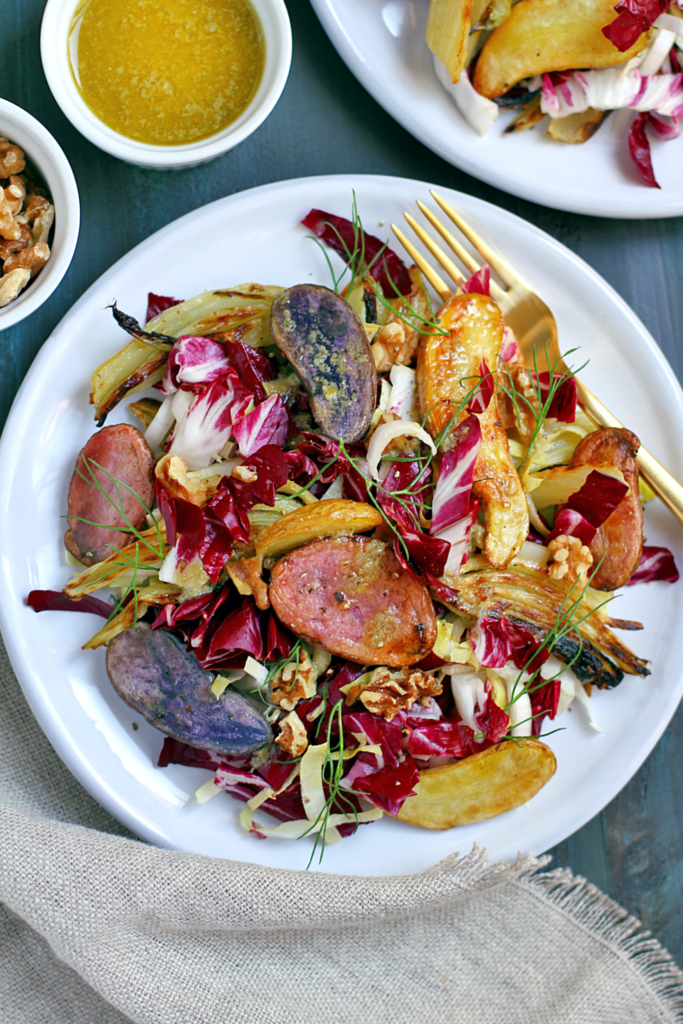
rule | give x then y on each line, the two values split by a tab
572	62
361	557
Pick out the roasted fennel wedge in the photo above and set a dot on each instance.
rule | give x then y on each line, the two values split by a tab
528	596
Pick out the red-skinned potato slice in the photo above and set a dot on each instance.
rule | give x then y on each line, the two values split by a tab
480	786
618	544
351	596
122	452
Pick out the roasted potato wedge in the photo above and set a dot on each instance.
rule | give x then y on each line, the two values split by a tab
544	35
448	364
447	368
327	518
480	786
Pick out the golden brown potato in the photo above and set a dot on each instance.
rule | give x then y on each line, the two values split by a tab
480	786
549	35
448	364
326	518
447	368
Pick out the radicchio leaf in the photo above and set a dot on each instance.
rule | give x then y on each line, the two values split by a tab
497	641
479	282
279	640
410	478
204	430
656	564
597	499
268	424
570	523
158	303
633	18
457	535
441	739
339	233
563	404
639	149
390	787
253	366
544	702
214	528
387	780
56	601
509	350
491	720
480	400
239	632
453	490
176	752
192	361
429	554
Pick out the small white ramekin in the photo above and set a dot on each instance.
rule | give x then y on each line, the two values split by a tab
47	157
54	48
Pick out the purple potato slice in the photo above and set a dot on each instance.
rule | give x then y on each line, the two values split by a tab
325	341
154	674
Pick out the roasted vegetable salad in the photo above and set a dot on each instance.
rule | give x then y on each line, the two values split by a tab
361	556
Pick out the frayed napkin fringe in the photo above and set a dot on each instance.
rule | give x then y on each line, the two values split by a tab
603	919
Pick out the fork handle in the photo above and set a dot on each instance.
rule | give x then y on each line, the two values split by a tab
652	471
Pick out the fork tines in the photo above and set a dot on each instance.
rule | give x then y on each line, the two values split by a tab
502	269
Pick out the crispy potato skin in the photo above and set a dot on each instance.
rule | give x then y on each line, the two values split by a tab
481	786
351	596
619	541
447	368
448	364
549	35
123	452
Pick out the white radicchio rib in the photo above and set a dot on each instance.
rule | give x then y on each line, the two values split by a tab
611	89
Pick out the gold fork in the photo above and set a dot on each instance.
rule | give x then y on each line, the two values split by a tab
530	319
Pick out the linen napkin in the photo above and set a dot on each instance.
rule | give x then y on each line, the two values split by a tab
97	927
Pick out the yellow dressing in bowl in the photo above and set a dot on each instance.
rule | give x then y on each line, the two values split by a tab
167	72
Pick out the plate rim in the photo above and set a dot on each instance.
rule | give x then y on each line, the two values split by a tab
39	699
487	173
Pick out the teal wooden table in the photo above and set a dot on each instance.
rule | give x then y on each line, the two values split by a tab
327	123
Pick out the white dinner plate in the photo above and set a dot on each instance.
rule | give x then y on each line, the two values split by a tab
382	42
256	236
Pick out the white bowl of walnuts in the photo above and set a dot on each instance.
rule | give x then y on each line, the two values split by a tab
39	214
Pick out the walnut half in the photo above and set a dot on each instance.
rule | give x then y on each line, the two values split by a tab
571	559
294	682
293	738
389	692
